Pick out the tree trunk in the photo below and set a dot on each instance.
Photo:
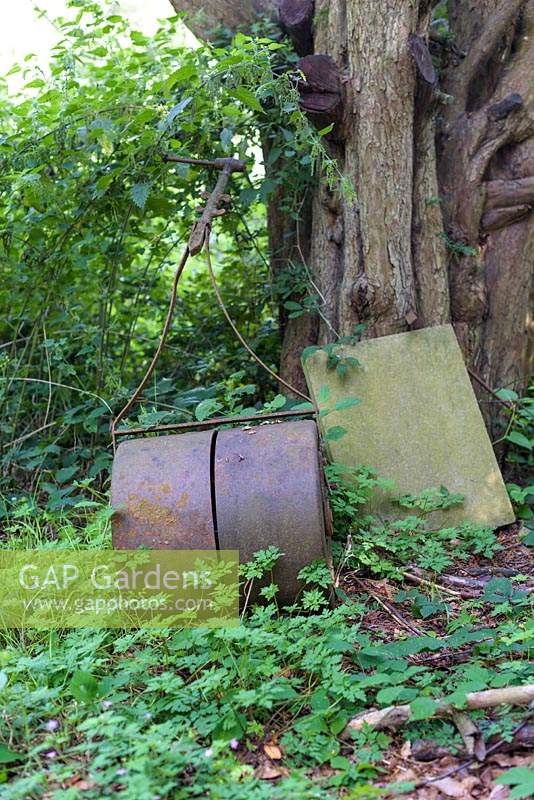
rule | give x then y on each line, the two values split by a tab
436	232
380	259
289	243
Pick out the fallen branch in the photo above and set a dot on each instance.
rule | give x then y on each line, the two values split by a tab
491	572
395	716
465	587
432	584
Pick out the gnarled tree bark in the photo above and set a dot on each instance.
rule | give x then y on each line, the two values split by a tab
486	166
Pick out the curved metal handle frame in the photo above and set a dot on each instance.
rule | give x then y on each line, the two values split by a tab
199	238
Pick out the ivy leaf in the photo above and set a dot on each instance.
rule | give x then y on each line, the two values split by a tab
332	361
335	433
303	407
180	75
83	686
498	590
248	98
7	755
520	439
278	402
340	762
507	394
154	418
173	113
139	194
521	778
65	474
206	408
422	708
346	402
388	695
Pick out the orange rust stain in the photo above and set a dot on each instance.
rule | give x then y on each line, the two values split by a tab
182	500
150	513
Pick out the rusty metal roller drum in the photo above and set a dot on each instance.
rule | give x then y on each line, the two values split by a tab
237	488
268	491
161	490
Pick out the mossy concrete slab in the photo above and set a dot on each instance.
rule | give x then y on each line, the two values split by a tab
418	423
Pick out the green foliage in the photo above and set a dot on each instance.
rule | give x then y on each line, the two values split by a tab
384	547
430	500
93	222
518	439
136	713
421	605
337	360
350	488
92	225
456	247
521	779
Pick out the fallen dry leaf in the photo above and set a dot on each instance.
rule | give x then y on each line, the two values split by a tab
450	787
270	772
82	786
406	750
499	793
76	782
471	782
384	586
272	751
506	760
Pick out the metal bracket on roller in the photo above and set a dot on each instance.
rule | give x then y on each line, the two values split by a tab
202	227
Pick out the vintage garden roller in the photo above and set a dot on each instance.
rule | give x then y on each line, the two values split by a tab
212	486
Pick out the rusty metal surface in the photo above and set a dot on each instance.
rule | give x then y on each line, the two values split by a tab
267	485
268	492
162	492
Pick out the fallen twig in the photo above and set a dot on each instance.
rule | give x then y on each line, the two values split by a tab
497	746
467	587
429	750
391	610
410	576
395	716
